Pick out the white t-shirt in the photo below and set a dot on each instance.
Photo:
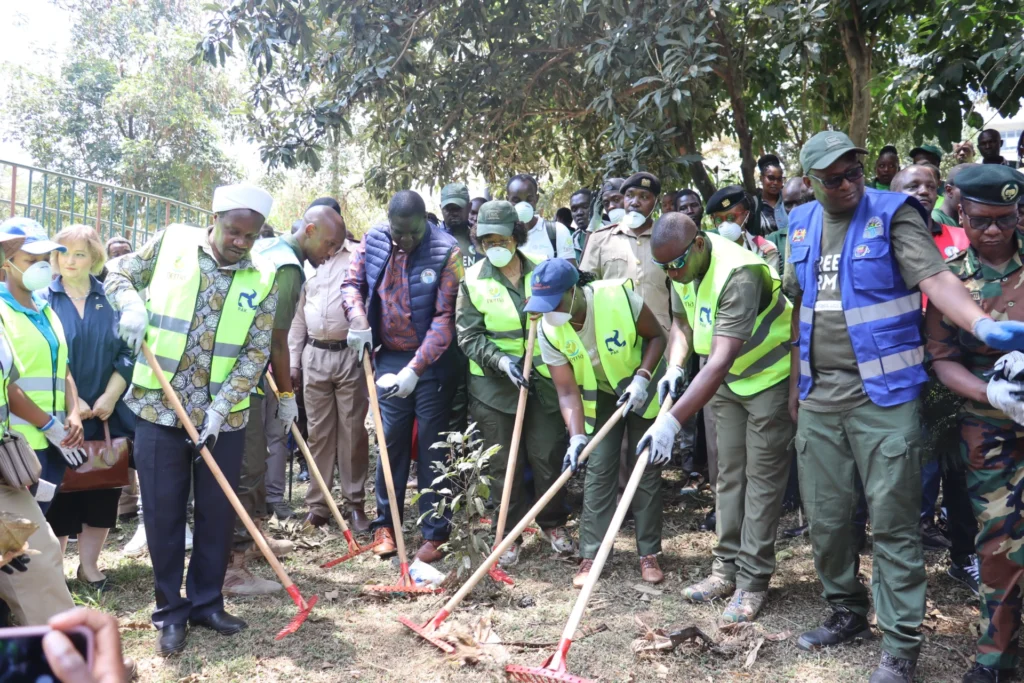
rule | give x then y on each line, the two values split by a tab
538	244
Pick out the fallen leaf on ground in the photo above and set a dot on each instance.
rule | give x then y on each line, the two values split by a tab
331	596
482	643
752	655
658	640
647	590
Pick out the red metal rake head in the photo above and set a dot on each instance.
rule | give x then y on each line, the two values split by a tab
498	575
305	607
553	669
427	632
354	549
405	585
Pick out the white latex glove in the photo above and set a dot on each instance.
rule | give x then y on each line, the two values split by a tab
133	323
1006	396
397	386
1009	366
287	411
672	384
510	368
55	434
572	454
360	340
659	439
635	395
208	437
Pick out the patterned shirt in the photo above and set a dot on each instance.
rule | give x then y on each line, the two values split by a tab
396	330
131	274
1000	293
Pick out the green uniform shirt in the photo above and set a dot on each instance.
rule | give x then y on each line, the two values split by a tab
495	389
943	218
837	383
289	286
999	292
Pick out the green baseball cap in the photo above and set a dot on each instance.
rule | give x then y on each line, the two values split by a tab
455	193
496	218
926	149
993	184
822	150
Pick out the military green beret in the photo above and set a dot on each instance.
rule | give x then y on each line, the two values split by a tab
496	218
643	180
455	193
993	184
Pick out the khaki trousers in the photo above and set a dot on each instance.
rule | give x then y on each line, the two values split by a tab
36	595
334	391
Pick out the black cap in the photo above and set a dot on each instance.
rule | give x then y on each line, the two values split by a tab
726	198
643	180
993	184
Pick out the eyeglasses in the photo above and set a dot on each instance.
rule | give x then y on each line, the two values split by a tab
678	262
833	182
718	220
981	223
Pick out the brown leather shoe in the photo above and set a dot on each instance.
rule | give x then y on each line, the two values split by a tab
387	546
316	520
357	520
649	569
430	551
582	573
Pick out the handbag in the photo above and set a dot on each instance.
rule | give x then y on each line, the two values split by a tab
19	465
106	465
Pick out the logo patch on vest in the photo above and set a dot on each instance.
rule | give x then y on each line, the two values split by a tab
799	235
951	251
874	228
178	270
571	350
705	315
250	301
614	340
861	250
428	276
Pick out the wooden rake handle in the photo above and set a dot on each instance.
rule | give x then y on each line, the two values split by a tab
517	433
314	471
179	410
385	462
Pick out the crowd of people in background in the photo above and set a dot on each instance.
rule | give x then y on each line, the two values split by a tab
844	340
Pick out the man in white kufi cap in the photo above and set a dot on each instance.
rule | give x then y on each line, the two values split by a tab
209	323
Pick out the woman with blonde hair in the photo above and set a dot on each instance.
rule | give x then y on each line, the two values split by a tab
101	365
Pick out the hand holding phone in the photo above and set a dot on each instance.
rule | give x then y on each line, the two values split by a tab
105	662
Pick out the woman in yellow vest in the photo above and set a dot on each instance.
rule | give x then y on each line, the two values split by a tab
492	329
40	352
728	305
602	345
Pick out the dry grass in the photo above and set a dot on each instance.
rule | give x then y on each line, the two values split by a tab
356	638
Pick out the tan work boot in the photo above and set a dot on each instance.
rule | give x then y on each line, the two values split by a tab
582	573
709	589
238	581
650	572
279	547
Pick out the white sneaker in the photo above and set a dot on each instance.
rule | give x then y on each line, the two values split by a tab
560	539
137	546
188	537
510	557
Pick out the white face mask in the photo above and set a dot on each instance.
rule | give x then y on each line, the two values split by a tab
634	219
499	256
36	277
616	215
525	212
730	231
557	318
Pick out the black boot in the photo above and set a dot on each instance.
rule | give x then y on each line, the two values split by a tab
893	669
171	639
841	627
987	674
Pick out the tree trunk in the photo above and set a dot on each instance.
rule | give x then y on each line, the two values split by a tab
685	144
731	73
857	47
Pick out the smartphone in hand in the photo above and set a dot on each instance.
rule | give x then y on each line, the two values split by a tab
21	653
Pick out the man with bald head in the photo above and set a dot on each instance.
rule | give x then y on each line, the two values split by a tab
261	486
727	304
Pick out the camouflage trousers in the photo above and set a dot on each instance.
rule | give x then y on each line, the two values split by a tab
995	480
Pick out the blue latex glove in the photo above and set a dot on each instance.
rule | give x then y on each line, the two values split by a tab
1005	335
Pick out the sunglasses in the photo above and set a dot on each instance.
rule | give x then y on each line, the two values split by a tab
833	182
983	222
678	262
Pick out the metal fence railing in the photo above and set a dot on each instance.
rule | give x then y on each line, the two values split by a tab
57	199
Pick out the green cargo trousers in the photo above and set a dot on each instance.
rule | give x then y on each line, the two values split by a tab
883	446
542	445
754	436
600	489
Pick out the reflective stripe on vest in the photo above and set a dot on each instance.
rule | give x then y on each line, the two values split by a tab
619	348
173	292
6	363
38	377
882	315
502	322
763	360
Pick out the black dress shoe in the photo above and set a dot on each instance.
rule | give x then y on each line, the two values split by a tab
171	639
221	622
357	520
841	627
988	674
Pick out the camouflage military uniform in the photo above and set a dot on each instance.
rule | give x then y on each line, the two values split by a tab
992	446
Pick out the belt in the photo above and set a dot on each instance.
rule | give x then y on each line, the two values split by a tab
329	345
